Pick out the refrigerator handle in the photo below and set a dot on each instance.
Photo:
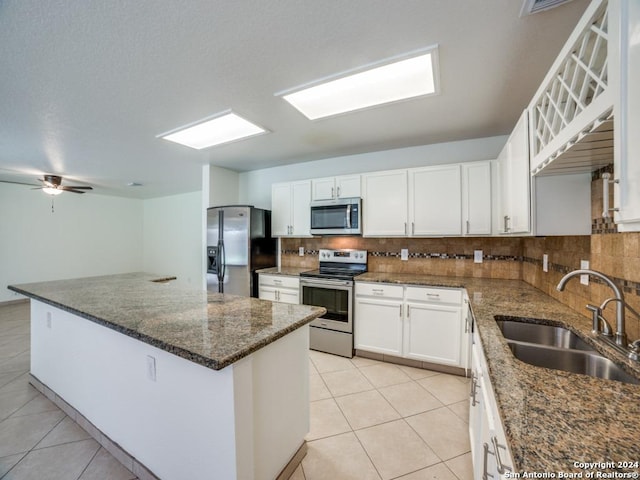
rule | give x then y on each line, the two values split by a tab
223	266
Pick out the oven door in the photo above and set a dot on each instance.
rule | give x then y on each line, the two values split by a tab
334	295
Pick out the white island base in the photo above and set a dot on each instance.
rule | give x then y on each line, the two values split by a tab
177	418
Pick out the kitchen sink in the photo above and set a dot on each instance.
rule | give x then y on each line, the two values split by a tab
568	360
542	335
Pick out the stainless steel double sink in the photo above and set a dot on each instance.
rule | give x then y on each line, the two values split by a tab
559	349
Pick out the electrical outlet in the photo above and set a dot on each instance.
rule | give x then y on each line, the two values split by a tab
477	256
545	263
584	279
404	254
48	319
301	251
477	297
151	368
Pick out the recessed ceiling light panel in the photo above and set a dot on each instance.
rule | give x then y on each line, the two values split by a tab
222	128
399	78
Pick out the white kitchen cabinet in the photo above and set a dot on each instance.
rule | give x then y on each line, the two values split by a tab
419	323
384	203
290	209
332	188
378	318
477	198
515	180
279	288
490	453
435	196
625	71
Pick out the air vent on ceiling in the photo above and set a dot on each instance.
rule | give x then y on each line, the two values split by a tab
530	7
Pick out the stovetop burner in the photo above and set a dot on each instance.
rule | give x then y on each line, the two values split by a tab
339	264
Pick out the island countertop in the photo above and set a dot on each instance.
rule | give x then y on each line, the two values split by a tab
210	329
551	418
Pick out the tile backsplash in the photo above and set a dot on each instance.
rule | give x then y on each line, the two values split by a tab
614	254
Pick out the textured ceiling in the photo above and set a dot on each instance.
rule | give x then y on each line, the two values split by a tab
86	85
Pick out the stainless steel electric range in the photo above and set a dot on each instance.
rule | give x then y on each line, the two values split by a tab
331	287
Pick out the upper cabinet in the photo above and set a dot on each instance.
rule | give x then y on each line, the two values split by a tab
435	196
384	204
515	196
290	205
477	198
332	188
625	66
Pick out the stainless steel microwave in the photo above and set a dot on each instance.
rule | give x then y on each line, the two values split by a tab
336	217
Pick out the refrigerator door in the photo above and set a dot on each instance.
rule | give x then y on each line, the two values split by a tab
228	229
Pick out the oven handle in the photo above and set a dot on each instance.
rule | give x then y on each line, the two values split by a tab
325	283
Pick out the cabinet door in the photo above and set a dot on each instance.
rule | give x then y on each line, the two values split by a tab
301	210
378	326
267	293
280	209
348	186
516	179
627	116
476	405
435	200
384	206
433	333
289	296
323	189
476	198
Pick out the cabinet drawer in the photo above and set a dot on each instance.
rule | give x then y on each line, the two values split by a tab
383	290
434	295
279	281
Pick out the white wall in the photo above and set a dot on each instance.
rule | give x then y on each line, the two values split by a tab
223	187
255	186
173	235
87	235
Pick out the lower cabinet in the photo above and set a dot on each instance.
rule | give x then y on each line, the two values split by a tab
489	450
419	323
279	288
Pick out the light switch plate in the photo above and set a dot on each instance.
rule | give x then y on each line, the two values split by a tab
301	251
545	263
584	279
477	256
404	254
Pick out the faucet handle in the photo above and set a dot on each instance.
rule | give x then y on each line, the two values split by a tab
634	350
597	319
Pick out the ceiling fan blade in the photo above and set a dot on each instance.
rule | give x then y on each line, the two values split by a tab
70	189
18	183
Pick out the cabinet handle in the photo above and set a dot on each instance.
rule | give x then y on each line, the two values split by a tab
338	194
496	451
485	474
401	311
506	223
332	191
468	227
474	390
408	310
413	228
606	180
433	295
405	228
377	291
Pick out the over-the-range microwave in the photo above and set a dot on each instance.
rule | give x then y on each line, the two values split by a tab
341	216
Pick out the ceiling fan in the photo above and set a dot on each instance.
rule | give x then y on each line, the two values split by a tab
52	184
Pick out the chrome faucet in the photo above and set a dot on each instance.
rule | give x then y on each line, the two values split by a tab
620	335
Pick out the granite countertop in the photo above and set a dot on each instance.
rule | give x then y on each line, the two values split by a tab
211	329
288	271
551	418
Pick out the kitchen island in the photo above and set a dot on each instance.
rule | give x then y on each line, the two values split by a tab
188	384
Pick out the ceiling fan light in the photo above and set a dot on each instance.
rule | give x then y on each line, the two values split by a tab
52	191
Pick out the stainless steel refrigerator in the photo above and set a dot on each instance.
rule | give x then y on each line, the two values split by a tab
239	242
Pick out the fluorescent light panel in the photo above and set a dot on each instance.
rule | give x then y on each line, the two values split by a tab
224	128
400	80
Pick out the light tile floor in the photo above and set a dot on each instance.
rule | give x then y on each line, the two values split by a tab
37	440
369	420
374	420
